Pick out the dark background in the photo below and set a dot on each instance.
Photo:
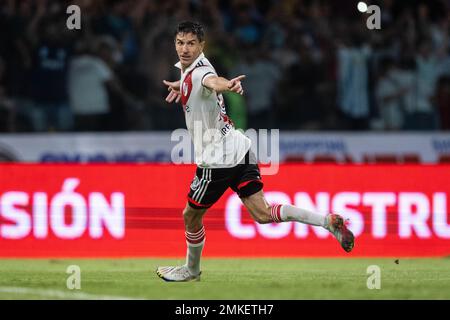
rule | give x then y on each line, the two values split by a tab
310	65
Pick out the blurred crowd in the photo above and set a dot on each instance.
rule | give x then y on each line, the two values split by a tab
310	64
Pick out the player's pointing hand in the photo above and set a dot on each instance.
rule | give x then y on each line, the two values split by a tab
174	91
235	85
174	85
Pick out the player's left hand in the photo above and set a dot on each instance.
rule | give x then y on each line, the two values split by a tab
174	91
235	85
173	95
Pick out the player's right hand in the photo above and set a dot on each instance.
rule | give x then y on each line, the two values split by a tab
235	85
174	91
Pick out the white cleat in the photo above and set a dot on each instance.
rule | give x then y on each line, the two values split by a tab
177	274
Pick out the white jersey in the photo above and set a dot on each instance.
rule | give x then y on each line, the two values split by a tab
217	144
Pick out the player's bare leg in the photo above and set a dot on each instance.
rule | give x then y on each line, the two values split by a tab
195	240
263	212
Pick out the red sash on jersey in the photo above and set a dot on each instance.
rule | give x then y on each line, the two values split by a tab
186	88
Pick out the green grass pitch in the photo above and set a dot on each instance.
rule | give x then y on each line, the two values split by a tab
228	279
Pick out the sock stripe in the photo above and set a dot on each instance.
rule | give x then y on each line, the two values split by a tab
195	237
199	230
278	213
195	241
275	213
195	234
271	214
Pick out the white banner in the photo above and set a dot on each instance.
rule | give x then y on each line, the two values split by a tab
365	147
87	147
293	146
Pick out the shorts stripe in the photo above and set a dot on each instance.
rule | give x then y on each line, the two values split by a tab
203	186
208	178
192	201
243	184
194	196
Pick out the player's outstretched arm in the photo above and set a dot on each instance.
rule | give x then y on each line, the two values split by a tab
220	84
174	91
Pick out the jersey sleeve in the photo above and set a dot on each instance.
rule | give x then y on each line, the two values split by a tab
201	73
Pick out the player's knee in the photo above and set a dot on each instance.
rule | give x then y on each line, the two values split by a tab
191	215
188	214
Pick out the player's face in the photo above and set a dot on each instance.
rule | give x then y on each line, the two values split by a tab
188	48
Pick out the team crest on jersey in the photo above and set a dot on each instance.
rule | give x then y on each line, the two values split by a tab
186	88
195	183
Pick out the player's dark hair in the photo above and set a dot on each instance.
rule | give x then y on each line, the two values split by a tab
191	27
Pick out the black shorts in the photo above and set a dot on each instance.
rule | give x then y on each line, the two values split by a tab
210	184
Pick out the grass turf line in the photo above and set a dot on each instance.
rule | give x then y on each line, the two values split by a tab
228	279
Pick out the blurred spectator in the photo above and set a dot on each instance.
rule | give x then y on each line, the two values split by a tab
405	76
313	64
299	106
353	82
260	87
423	115
88	77
7	104
246	27
91	80
390	96
117	23
50	56
443	102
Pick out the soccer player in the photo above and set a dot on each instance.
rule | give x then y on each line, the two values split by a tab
222	155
